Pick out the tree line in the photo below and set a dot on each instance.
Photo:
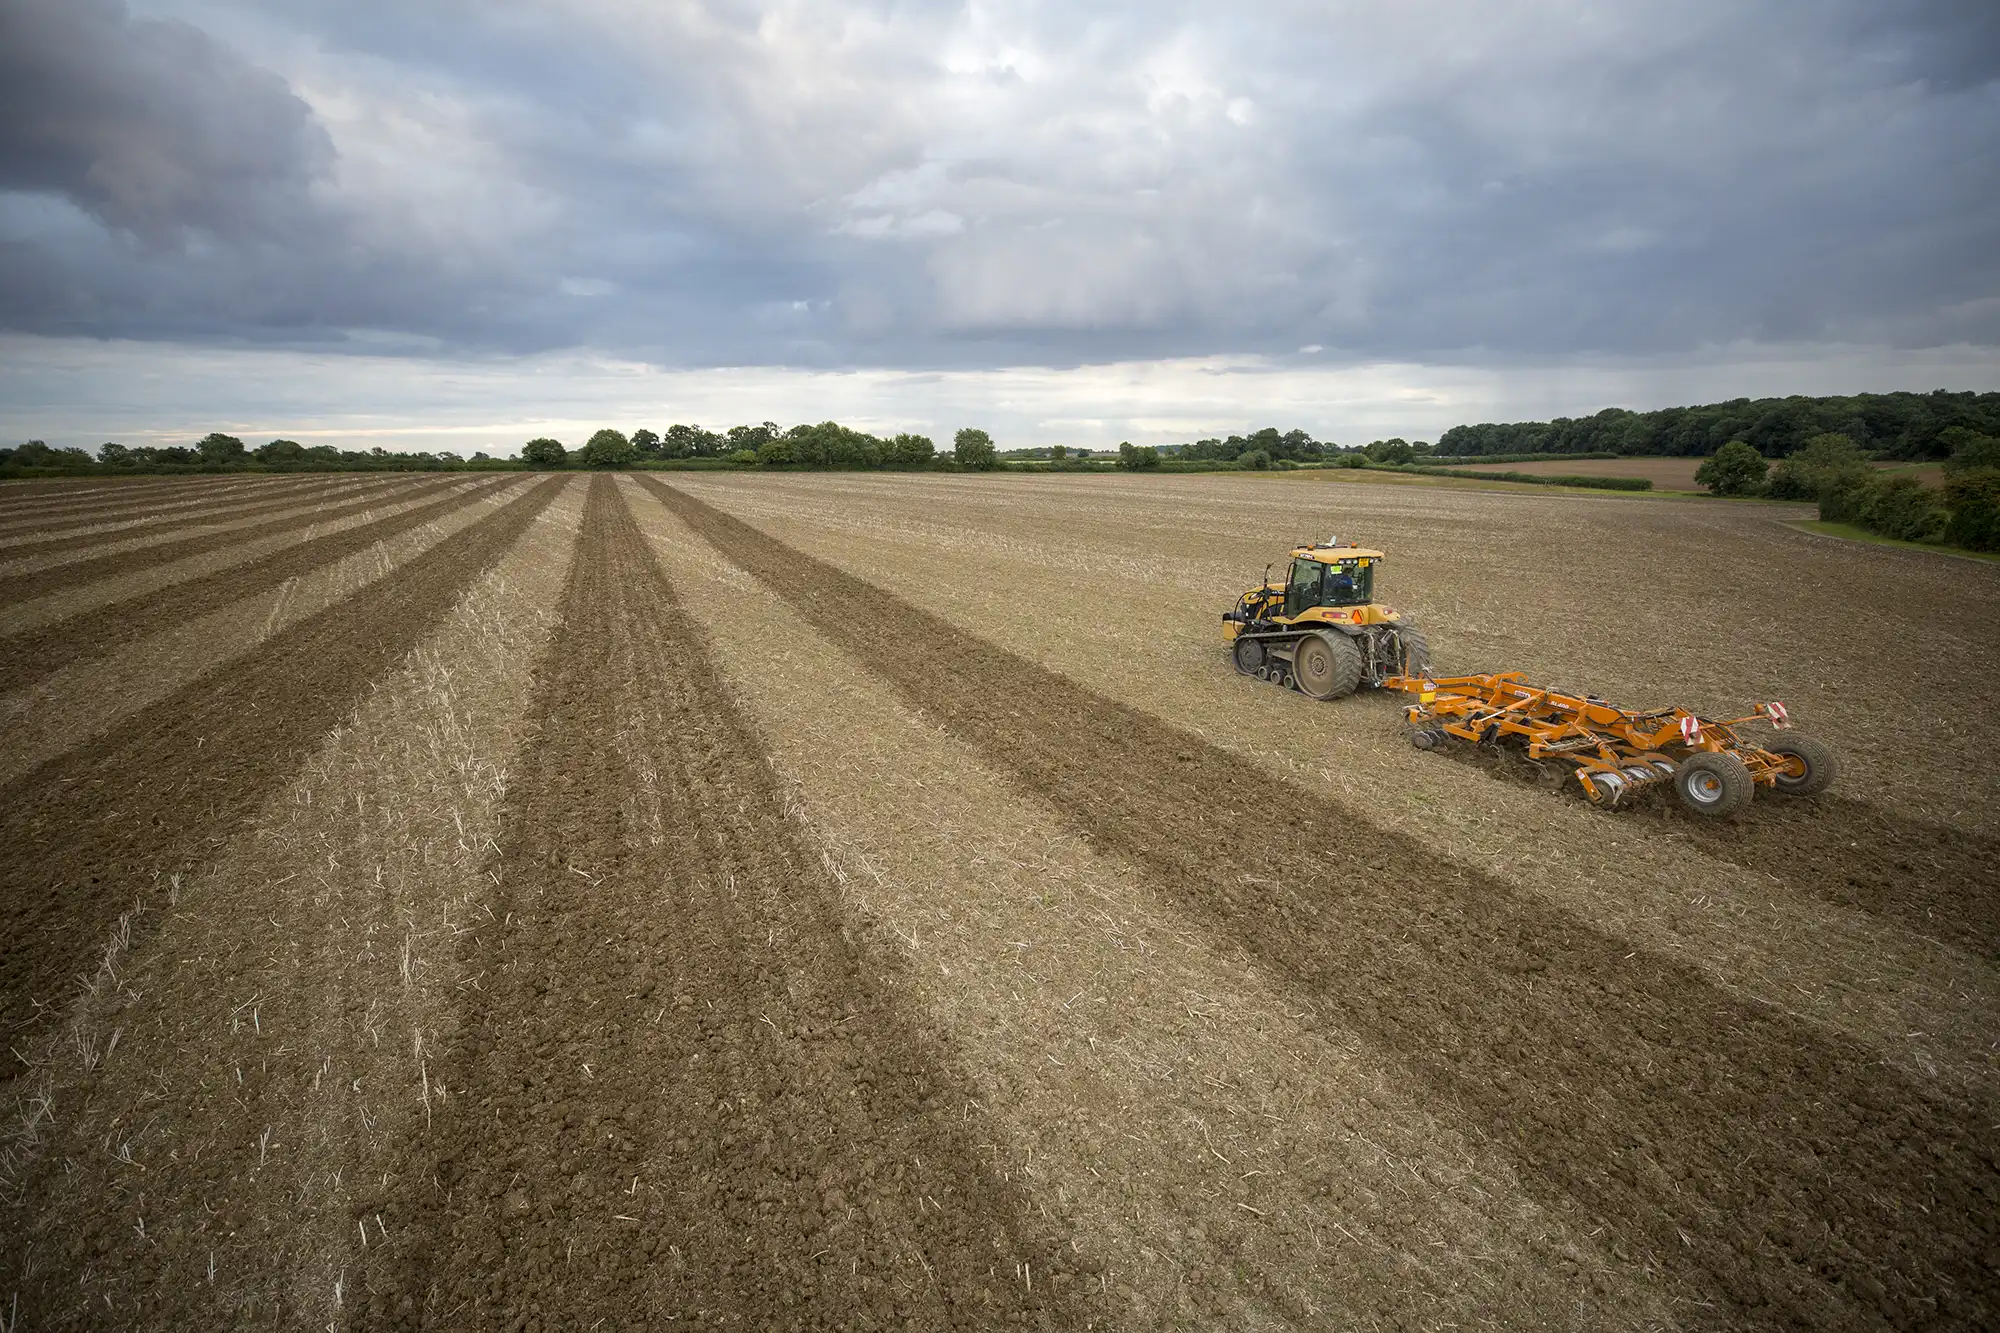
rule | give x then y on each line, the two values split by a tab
1909	426
827	445
1834	472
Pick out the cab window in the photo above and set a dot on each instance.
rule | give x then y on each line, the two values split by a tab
1347	583
1303	589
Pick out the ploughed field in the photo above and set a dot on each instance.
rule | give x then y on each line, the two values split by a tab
875	902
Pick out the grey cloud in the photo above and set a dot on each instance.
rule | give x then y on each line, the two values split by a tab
935	185
151	126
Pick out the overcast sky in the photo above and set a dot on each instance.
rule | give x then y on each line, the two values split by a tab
452	224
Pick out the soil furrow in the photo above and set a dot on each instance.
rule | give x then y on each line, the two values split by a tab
41	582
21	498
684	1090
70	517
84	835
149	523
28	657
1777	1168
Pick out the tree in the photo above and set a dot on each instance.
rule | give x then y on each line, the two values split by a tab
974	449
1390	451
607	448
1815	466
1135	457
1256	459
1734	469
910	451
544	453
281	451
1903	508
1970	451
645	443
216	447
115	454
1058	452
773	453
1973	497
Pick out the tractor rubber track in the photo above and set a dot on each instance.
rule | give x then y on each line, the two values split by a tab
1778	1173
84	835
148	523
683	1093
76	573
40	652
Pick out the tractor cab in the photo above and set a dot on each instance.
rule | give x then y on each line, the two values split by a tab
1331	581
1330	577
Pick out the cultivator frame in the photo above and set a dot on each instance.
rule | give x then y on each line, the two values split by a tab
1618	752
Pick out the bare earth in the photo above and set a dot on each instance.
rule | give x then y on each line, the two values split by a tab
874	901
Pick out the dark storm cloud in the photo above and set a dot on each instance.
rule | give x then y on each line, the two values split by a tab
929	184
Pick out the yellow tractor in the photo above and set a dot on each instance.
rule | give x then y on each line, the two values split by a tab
1321	630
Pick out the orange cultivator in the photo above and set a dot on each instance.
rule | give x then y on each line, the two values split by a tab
1616	751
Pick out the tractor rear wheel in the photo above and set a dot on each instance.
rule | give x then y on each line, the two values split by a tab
1326	666
1416	650
1811	765
1714	783
1249	656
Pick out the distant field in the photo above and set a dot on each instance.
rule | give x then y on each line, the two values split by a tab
1668	474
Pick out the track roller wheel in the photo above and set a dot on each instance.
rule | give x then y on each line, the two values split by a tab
1249	656
1327	666
1715	784
1811	765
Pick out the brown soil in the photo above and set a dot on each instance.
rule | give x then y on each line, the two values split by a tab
86	834
684	1091
1939	881
229	1086
148	524
28	657
76	573
68	517
1713	1136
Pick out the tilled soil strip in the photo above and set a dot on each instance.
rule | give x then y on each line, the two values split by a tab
683	1090
72	516
153	522
76	573
86	833
1780	1169
1938	881
27	658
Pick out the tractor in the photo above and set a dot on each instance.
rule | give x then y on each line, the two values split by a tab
1321	630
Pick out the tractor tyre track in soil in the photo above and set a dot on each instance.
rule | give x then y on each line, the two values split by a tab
29	657
683	1088
1770	1167
85	834
32	544
76	573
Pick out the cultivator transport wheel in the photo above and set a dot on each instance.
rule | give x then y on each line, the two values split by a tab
1714	783
1811	765
1249	656
1327	666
